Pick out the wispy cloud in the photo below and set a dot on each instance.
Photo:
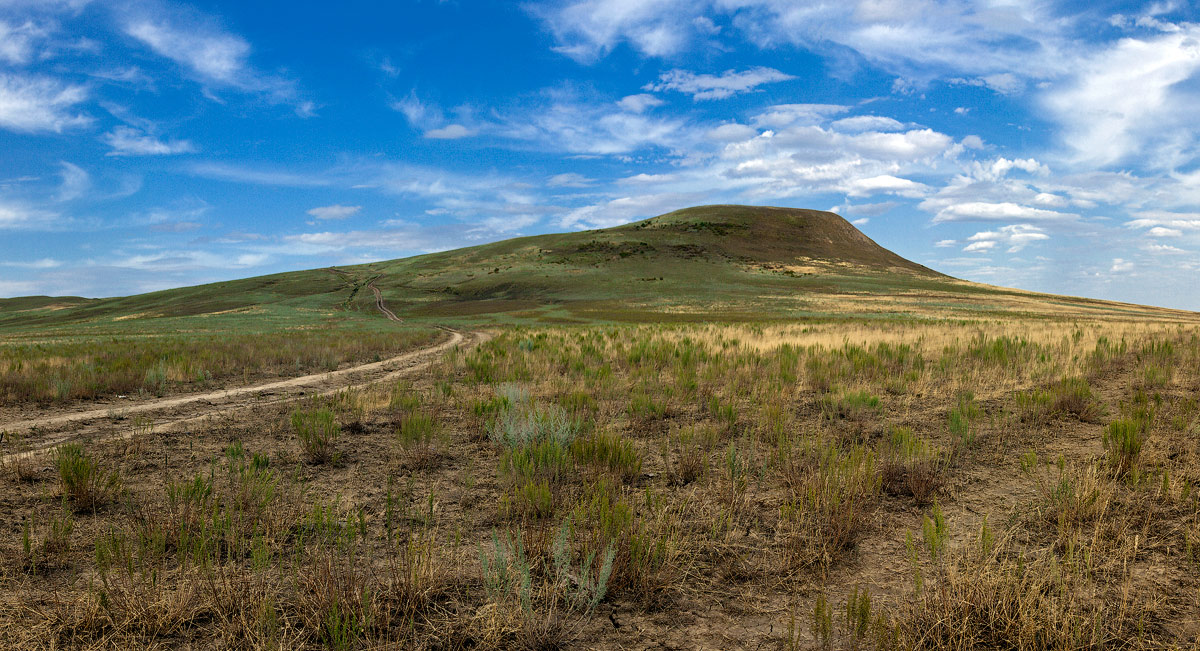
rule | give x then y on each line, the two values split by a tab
40	104
258	176
17	41
720	86
127	141
1128	100
1015	236
75	181
215	57
336	211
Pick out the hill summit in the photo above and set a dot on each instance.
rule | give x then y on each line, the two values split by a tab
769	234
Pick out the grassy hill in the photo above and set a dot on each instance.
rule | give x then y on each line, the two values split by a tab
710	262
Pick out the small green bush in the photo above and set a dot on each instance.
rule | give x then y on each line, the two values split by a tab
317	432
84	483
1123	442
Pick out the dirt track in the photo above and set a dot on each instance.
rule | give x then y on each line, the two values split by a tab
379	303
47	431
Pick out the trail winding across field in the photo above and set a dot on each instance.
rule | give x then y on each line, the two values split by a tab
46	432
379	303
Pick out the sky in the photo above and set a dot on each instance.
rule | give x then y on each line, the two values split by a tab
1050	146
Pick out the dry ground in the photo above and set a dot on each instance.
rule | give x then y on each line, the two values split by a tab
892	485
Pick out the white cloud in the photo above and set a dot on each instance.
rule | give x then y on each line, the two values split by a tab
916	38
731	132
569	180
639	103
944	244
1154	247
980	247
336	211
211	54
1016	236
40	104
726	84
623	210
867	123
885	183
257	176
1129	100
16	215
128	141
864	209
44	263
75	181
1162	218
16	41
449	132
979	211
1120	265
1159	231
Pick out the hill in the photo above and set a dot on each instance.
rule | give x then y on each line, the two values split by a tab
709	262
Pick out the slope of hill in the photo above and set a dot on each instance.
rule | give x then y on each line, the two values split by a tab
708	262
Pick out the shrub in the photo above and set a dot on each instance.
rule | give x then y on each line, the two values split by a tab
962	417
833	495
15	456
851	405
419	435
317	432
686	457
84	483
911	466
1123	440
608	452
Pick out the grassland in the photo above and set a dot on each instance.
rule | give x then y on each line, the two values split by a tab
55	352
891	485
849	452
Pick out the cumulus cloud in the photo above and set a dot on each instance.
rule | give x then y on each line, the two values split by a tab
719	86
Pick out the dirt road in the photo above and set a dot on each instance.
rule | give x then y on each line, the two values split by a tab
379	302
47	431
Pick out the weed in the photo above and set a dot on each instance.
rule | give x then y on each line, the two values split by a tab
1123	440
84	482
317	432
911	466
420	437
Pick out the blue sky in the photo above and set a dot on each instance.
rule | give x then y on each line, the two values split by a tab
144	145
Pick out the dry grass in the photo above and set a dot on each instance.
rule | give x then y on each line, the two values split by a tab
989	485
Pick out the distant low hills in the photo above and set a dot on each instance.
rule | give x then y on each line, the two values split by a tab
721	262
